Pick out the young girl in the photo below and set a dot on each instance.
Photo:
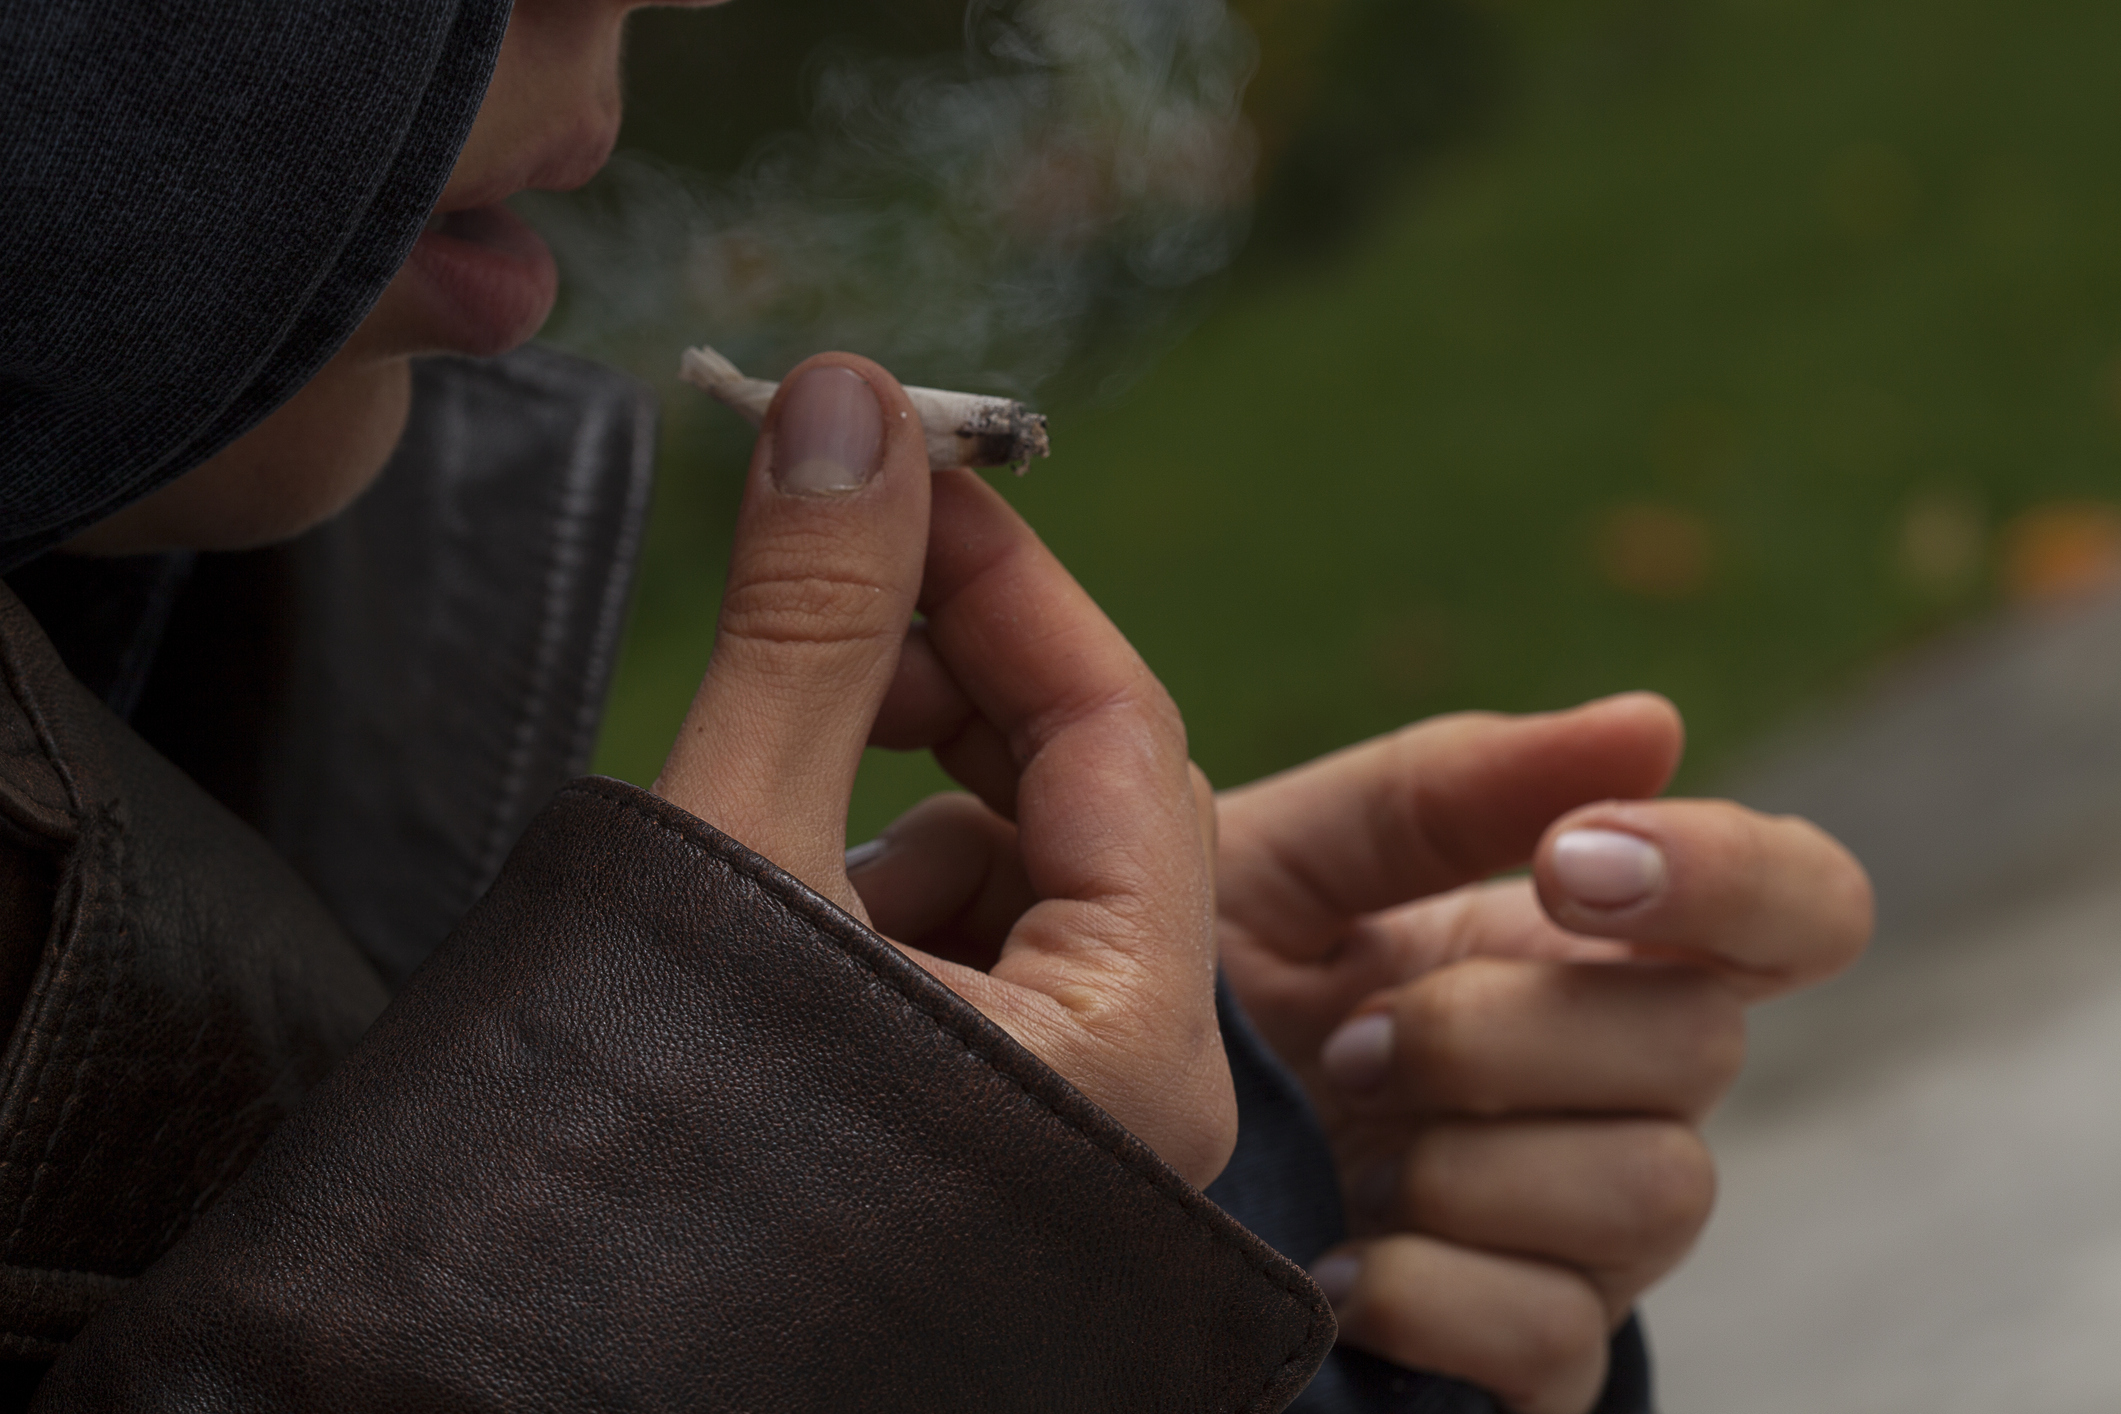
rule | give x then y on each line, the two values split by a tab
358	1058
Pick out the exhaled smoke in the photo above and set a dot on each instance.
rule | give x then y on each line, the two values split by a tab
1048	202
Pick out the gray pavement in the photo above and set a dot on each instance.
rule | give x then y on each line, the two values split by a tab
1921	1203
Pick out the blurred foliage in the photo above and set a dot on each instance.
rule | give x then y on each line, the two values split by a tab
1351	98
1347	98
1721	348
704	89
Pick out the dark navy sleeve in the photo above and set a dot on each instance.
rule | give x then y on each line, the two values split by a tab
1281	1184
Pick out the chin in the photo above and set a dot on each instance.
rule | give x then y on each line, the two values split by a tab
308	461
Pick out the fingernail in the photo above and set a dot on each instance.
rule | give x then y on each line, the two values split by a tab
1336	1277
865	854
1372	1190
1359	1055
1607	868
829	435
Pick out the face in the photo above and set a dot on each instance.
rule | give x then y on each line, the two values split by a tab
479	281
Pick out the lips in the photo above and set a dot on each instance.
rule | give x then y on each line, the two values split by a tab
487	277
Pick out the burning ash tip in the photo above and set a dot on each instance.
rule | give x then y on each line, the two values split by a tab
963	429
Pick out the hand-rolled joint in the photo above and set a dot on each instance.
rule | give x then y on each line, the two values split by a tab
963	429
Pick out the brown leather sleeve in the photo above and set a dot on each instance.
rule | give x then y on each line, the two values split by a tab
658	1128
172	993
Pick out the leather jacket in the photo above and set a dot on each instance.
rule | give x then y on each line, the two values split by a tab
646	1124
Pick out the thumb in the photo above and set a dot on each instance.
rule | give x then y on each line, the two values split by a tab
823	577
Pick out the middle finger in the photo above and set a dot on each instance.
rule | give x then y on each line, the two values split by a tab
1491	1037
1620	1199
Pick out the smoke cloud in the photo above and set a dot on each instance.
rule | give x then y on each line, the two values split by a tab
1052	202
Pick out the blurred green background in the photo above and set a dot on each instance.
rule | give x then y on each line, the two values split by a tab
1723	348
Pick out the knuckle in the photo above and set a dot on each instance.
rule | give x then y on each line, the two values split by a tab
1847	900
1154	712
802	609
1672	1188
1134	718
1560	1335
1441	1030
1161	708
1410	744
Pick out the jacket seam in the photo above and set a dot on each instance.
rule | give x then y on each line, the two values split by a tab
94	1290
618	585
33	1190
52	1035
107	1283
775	884
33	710
564	531
69	1273
81	851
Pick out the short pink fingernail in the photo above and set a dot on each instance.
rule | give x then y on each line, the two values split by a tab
1336	1277
1607	868
1359	1055
831	433
866	853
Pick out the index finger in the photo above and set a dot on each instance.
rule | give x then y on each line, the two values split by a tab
1425	809
1774	901
1105	803
1109	975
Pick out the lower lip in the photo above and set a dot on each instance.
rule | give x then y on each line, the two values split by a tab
489	278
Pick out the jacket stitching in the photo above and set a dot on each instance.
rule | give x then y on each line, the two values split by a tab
65	970
57	1119
1157	1183
32	1084
29	1347
566	564
68	1275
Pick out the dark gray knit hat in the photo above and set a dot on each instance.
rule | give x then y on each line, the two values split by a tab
199	201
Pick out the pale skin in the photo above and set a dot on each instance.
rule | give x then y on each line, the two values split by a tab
1527	1162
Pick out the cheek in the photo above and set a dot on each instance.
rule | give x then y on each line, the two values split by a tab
297	469
313	457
